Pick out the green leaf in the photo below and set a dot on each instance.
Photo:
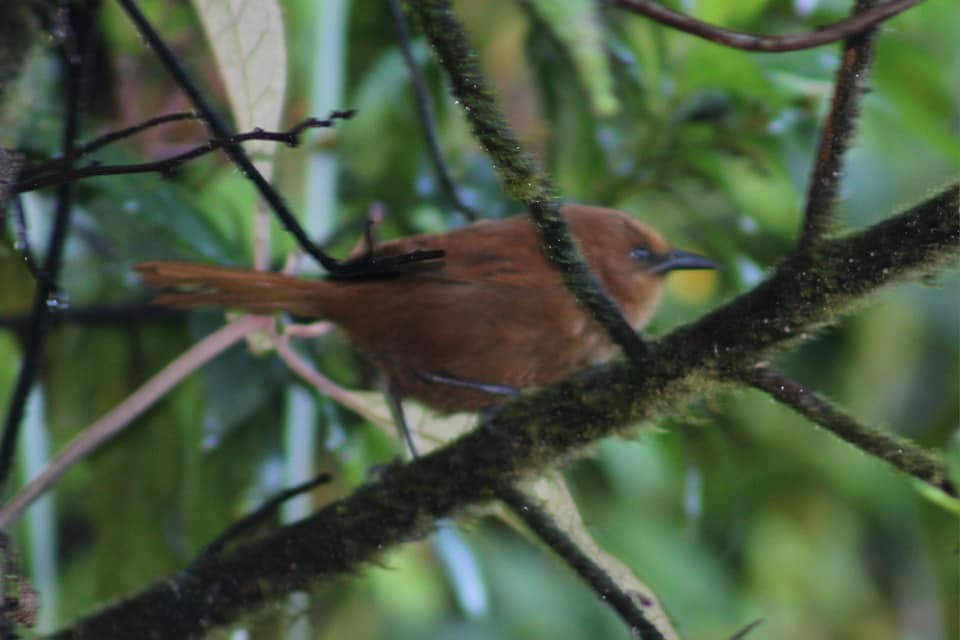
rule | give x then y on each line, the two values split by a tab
248	42
576	25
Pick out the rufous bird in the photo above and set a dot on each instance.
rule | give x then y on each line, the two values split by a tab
492	316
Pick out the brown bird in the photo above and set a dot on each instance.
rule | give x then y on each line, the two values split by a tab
492	317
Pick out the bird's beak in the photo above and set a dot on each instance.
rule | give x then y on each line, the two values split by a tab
676	260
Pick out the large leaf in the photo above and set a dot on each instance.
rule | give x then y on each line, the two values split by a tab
247	40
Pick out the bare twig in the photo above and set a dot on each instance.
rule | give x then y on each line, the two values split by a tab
117	419
324	385
256	517
838	128
89	147
768	44
426	113
167	166
746	630
899	452
337	268
121	416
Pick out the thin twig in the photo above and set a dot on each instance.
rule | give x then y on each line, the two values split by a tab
519	172
120	417
545	527
426	112
336	268
23	242
838	129
167	166
768	44
89	147
324	385
899	452
74	68
256	517
746	630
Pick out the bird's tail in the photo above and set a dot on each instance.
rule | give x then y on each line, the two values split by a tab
188	285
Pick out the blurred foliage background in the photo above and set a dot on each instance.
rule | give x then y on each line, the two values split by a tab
735	511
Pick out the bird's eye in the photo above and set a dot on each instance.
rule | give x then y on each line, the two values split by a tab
641	254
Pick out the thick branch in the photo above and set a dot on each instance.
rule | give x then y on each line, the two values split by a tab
518	170
540	428
768	44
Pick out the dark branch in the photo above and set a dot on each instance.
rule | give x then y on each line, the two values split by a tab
426	113
82	18
11	163
168	165
768	44
747	630
537	430
22	242
838	129
900	452
346	269
97	143
544	526
518	170
122	314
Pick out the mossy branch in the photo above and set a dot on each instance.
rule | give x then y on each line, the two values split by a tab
521	176
899	452
849	85
541	428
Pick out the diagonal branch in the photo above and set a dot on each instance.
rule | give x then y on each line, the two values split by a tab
838	129
74	68
539	429
768	44
899	452
120	417
220	128
518	170
547	530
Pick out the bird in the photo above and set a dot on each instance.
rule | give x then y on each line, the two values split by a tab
461	333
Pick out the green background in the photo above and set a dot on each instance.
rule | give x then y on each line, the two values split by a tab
734	510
